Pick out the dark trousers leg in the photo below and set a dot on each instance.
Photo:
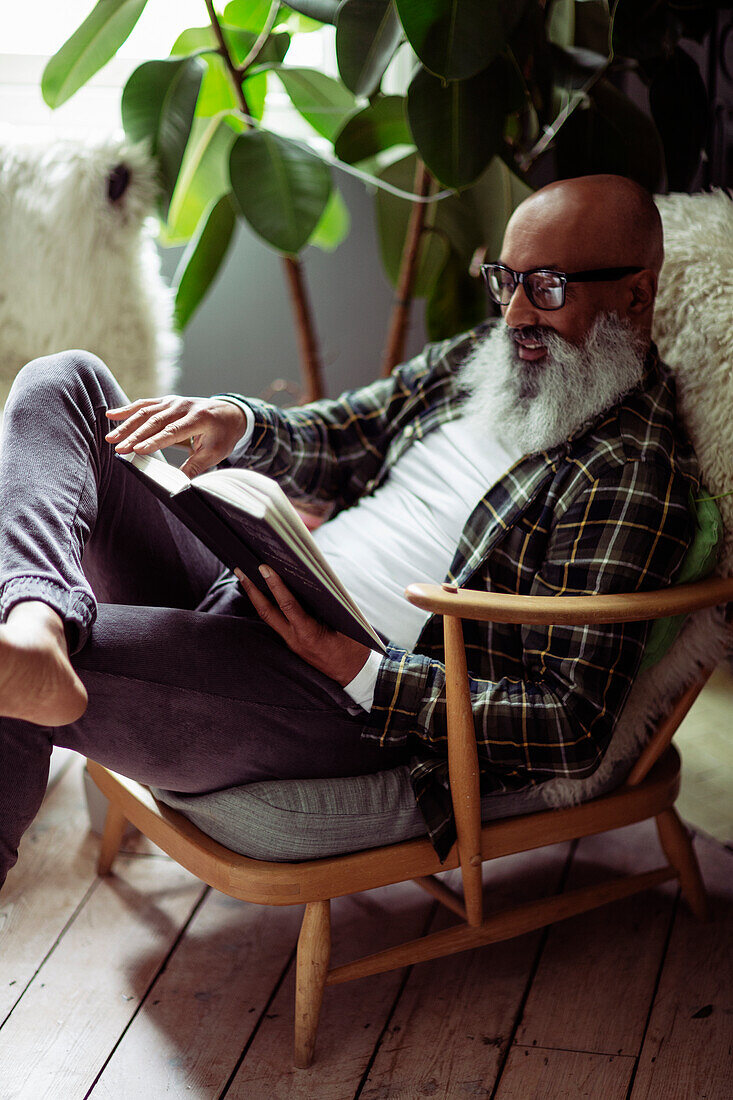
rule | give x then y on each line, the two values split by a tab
75	527
186	699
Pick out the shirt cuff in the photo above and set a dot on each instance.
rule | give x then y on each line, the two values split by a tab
234	399
361	688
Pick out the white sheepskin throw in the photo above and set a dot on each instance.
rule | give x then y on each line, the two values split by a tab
694	331
78	266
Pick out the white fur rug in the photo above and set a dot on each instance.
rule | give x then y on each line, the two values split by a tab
78	266
694	332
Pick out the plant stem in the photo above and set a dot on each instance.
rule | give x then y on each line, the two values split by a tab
236	76
312	373
395	348
261	37
311	367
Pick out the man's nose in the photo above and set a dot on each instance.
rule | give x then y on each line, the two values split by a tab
520	310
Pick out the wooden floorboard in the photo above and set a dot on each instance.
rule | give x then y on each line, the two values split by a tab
203	1009
620	947
688	1052
456	1015
54	872
535	1074
353	1015
72	1014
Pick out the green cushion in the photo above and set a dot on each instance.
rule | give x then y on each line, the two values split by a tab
699	561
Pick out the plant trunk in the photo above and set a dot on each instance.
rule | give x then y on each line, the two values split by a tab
309	358
395	348
310	363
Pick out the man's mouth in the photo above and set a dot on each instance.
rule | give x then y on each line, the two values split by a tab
531	352
530	349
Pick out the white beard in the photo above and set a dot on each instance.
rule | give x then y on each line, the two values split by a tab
536	406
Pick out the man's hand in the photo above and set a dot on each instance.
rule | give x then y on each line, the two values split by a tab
210	427
335	654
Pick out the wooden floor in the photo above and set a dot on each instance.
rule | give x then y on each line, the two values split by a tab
146	984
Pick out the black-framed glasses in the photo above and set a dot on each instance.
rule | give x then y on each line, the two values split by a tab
544	286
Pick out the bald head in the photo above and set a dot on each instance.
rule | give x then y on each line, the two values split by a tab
580	225
612	220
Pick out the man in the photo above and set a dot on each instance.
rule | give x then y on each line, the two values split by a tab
539	455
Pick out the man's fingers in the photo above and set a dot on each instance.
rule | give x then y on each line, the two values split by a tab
199	463
286	601
161	429
136	421
269	613
154	437
125	410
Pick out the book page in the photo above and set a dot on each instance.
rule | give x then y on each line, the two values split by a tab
159	470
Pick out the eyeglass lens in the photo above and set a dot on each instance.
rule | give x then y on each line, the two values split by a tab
543	288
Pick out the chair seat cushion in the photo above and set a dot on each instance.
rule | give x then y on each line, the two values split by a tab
293	819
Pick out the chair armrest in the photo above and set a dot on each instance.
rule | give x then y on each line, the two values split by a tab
502	607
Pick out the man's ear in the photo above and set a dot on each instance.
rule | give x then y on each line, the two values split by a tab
643	291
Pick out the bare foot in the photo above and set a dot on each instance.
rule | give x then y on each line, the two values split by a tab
37	680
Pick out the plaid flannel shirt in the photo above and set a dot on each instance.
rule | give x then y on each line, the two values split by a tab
606	511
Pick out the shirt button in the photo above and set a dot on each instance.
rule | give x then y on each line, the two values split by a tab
409	430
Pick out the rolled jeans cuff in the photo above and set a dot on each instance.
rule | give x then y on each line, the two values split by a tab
76	607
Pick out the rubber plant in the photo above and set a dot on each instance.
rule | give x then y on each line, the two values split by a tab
452	109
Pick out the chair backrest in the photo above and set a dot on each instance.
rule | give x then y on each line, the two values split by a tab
694	331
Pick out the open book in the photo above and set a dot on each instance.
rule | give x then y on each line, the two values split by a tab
246	520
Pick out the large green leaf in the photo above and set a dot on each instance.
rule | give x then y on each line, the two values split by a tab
250	15
281	188
642	28
367	34
192	39
323	101
255	90
90	47
679	105
513	12
204	177
323	10
158	105
203	258
239	42
561	23
478	216
296	23
376	127
593	26
457	301
454	39
393	214
457	126
610	134
218	92
334	226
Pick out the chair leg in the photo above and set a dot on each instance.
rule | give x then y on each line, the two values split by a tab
114	828
677	847
314	953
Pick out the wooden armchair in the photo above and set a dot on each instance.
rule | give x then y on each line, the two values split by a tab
649	791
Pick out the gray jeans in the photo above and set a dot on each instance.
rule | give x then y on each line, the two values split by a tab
188	690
